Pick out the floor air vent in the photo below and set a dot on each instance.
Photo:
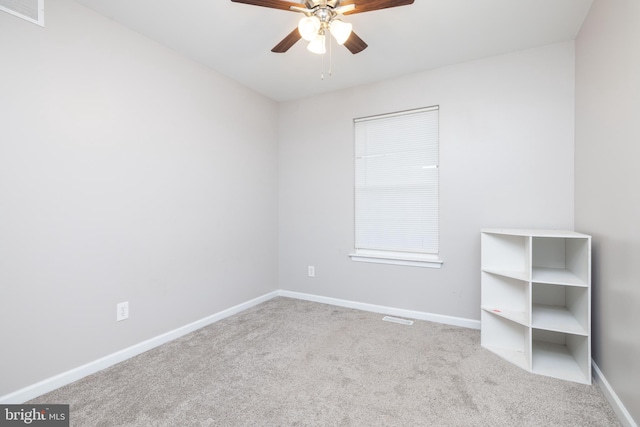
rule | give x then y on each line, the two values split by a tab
397	320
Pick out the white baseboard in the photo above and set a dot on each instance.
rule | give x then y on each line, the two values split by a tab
411	314
50	384
57	381
38	389
618	407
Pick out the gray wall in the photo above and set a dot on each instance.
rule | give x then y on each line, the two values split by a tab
607	175
127	173
507	135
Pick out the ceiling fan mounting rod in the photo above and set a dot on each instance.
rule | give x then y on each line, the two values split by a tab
324	12
325	15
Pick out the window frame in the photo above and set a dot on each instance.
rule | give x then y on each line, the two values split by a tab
396	257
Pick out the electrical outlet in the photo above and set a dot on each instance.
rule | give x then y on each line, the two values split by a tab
122	311
311	271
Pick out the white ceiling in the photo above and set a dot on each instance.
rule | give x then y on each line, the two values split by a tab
236	39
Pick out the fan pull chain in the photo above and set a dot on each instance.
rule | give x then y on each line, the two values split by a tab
330	56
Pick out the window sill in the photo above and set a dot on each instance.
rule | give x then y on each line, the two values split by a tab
394	258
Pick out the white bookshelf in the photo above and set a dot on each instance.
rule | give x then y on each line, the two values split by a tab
536	300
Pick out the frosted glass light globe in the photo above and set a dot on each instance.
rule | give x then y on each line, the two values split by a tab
340	30
309	27
317	45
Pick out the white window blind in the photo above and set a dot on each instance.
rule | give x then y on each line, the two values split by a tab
396	185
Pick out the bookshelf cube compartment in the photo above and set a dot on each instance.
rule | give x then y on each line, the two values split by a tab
560	308
560	355
506	254
561	260
506	297
507	339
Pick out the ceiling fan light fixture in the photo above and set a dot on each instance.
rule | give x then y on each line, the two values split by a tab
317	45
309	27
340	30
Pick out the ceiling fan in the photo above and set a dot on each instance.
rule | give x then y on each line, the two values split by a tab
322	16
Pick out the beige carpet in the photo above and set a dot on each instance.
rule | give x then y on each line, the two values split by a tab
295	363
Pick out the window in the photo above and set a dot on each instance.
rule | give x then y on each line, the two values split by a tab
396	188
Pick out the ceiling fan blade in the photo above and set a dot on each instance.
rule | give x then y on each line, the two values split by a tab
355	44
302	10
341	10
370	5
287	42
273	4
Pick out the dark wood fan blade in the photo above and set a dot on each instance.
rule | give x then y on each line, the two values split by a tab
287	42
370	5
355	44
273	4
